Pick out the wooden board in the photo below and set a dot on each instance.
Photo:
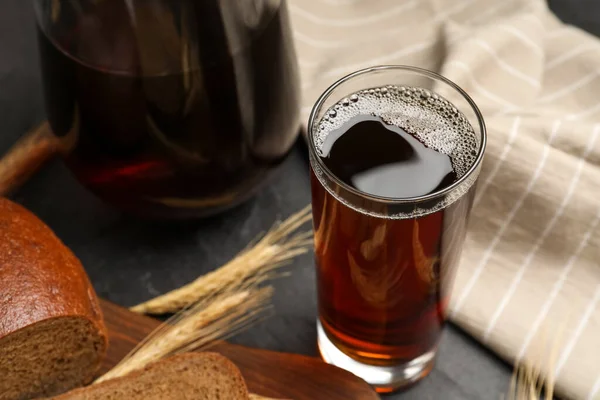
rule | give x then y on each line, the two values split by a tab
277	375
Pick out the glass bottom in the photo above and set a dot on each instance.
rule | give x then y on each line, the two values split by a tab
384	379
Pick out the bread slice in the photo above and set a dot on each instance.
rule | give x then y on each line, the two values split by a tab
52	334
190	376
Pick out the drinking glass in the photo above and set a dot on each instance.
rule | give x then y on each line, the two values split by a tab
385	266
170	108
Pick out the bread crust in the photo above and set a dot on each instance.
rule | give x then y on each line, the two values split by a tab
40	278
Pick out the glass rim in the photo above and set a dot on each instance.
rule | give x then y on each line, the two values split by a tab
395	200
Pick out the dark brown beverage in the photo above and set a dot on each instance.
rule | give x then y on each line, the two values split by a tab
171	105
385	271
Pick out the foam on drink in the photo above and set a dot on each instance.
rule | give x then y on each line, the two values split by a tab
437	140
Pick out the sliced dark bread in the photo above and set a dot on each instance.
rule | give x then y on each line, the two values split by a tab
191	376
52	335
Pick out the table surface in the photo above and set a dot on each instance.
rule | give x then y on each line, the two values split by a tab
130	261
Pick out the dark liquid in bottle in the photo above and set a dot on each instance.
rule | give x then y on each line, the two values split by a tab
172	106
384	279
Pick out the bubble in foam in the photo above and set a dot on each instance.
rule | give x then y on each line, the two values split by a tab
431	118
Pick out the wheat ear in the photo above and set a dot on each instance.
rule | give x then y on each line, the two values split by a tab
216	317
534	374
254	265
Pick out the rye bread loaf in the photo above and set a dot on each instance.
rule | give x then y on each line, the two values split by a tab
191	376
52	335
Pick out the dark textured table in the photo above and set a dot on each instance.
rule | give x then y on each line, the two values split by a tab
130	261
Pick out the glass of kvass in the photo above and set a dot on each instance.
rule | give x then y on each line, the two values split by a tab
170	108
395	154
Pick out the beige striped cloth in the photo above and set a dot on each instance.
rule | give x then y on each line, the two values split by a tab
529	281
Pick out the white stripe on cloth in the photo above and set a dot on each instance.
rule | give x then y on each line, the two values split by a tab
560	32
585	113
394	57
568	56
453	10
506	66
513	212
376	17
388	13
320	43
570	88
343	2
338	44
557	287
507	148
595	390
540	240
568	349
526	40
535	19
490	12
479	87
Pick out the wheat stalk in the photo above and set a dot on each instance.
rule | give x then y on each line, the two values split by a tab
528	383
216	317
252	266
534	375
